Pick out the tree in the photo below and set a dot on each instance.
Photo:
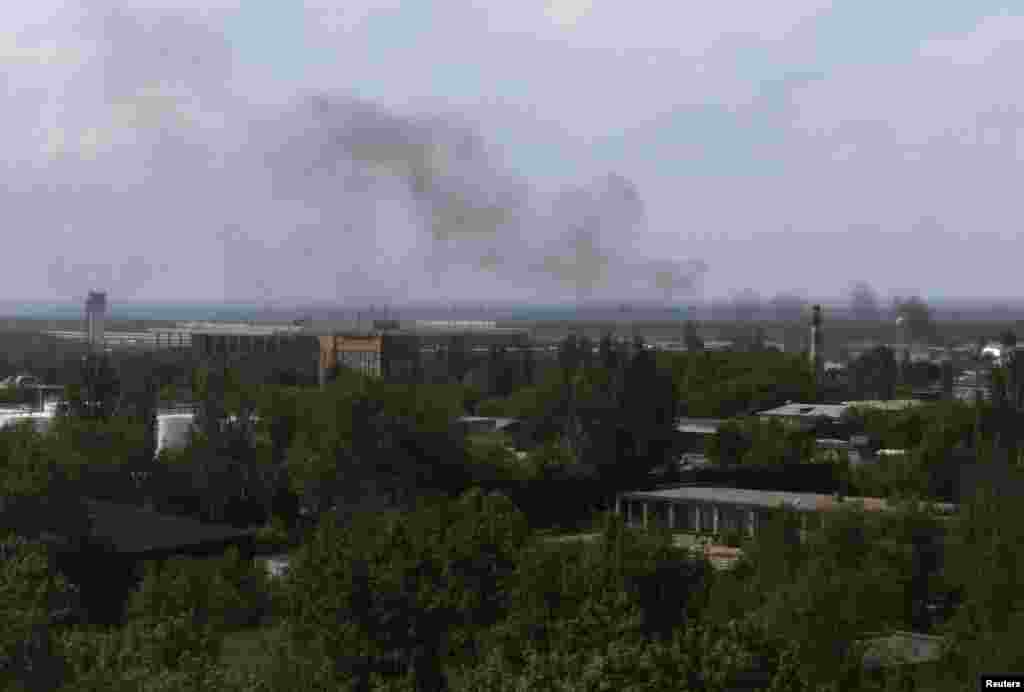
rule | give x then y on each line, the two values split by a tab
224	593
402	589
529	367
864	302
691	338
40	488
916	318
729	445
984	562
845	587
35	600
459	361
645	435
99	392
874	374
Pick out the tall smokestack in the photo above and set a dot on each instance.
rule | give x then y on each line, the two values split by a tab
95	312
817	354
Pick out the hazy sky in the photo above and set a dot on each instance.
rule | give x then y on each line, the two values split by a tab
537	150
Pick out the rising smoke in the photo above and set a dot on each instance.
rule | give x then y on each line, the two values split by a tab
156	150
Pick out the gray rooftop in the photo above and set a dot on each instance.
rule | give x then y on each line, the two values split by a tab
734	496
803	502
700	426
499	423
833	411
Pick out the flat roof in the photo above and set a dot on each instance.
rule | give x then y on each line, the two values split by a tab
887	405
499	423
834	411
700	426
803	502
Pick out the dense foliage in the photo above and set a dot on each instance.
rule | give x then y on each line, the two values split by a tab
409	571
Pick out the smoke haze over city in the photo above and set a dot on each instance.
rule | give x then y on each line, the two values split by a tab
539	152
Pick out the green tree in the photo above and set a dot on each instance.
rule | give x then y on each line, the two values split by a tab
984	562
691	338
35	601
404	589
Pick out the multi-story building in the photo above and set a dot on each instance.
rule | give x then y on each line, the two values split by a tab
396	350
213	339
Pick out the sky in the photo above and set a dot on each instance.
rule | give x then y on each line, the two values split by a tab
539	150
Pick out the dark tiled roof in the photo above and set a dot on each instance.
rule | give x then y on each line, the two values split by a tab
130	529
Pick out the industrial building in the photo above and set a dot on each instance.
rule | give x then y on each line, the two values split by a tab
205	338
396	350
221	339
720	510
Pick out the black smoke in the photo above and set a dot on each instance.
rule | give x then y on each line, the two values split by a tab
163	156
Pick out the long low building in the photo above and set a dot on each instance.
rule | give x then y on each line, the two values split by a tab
718	510
207	338
396	349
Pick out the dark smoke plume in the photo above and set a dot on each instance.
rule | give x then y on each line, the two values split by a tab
160	147
478	218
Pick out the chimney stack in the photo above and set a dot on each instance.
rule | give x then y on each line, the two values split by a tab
817	353
95	312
